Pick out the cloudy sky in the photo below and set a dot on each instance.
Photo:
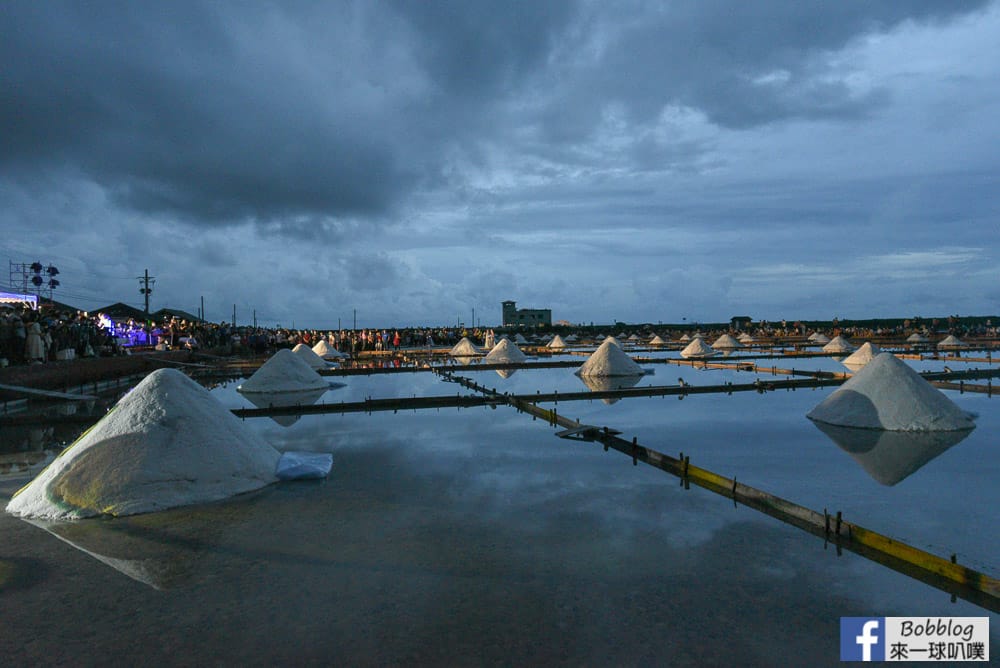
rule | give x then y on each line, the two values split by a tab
636	161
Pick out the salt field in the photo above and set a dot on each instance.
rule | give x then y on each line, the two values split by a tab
469	536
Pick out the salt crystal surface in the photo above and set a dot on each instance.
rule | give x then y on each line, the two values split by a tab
166	443
862	356
505	352
726	341
326	351
838	345
698	348
951	341
309	356
609	360
657	341
888	394
284	372
465	348
557	342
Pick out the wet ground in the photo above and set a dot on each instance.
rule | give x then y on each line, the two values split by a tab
474	536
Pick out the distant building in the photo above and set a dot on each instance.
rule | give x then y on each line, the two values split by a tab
741	322
525	317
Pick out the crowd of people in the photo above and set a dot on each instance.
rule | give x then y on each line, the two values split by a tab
28	336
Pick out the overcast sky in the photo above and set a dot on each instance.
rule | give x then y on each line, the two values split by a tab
636	161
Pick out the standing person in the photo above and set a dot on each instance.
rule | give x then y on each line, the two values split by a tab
396	340
34	346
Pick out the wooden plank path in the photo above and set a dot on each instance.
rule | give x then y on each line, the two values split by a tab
944	574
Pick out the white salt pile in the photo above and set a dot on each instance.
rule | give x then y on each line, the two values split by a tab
284	372
657	341
916	338
862	356
634	337
465	348
725	341
166	443
685	337
609	360
812	337
698	348
745	338
518	338
951	341
838	345
556	342
613	340
888	394
821	339
326	351
571	338
309	356
505	352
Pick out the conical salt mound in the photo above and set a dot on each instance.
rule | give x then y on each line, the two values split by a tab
862	356
326	351
838	345
465	348
951	341
888	394
284	372
505	352
657	341
309	356
609	360
556	342
821	339
698	348
725	341
634	337
518	338
745	338
811	337
166	443
613	340
571	338
916	338
685	337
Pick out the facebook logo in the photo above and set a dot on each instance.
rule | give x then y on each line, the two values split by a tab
862	638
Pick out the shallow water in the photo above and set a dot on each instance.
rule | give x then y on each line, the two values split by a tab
475	536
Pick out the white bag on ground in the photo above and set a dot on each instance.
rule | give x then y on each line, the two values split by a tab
304	465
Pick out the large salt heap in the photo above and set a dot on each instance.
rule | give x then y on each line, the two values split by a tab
326	351
309	356
657	341
505	352
838	345
951	341
917	337
821	339
888	394
698	348
465	348
726	341
862	356
284	372
556	342
609	360
166	443
613	340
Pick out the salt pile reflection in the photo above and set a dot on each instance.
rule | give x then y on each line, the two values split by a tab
891	456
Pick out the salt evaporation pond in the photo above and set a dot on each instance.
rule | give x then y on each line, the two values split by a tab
475	536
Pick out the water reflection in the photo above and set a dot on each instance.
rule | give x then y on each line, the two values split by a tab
607	383
163	549
891	456
282	399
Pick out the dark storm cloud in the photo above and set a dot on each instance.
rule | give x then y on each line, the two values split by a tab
218	113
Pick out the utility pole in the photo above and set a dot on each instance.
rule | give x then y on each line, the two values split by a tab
255	318
145	282
203	308
234	315
355	319
145	287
